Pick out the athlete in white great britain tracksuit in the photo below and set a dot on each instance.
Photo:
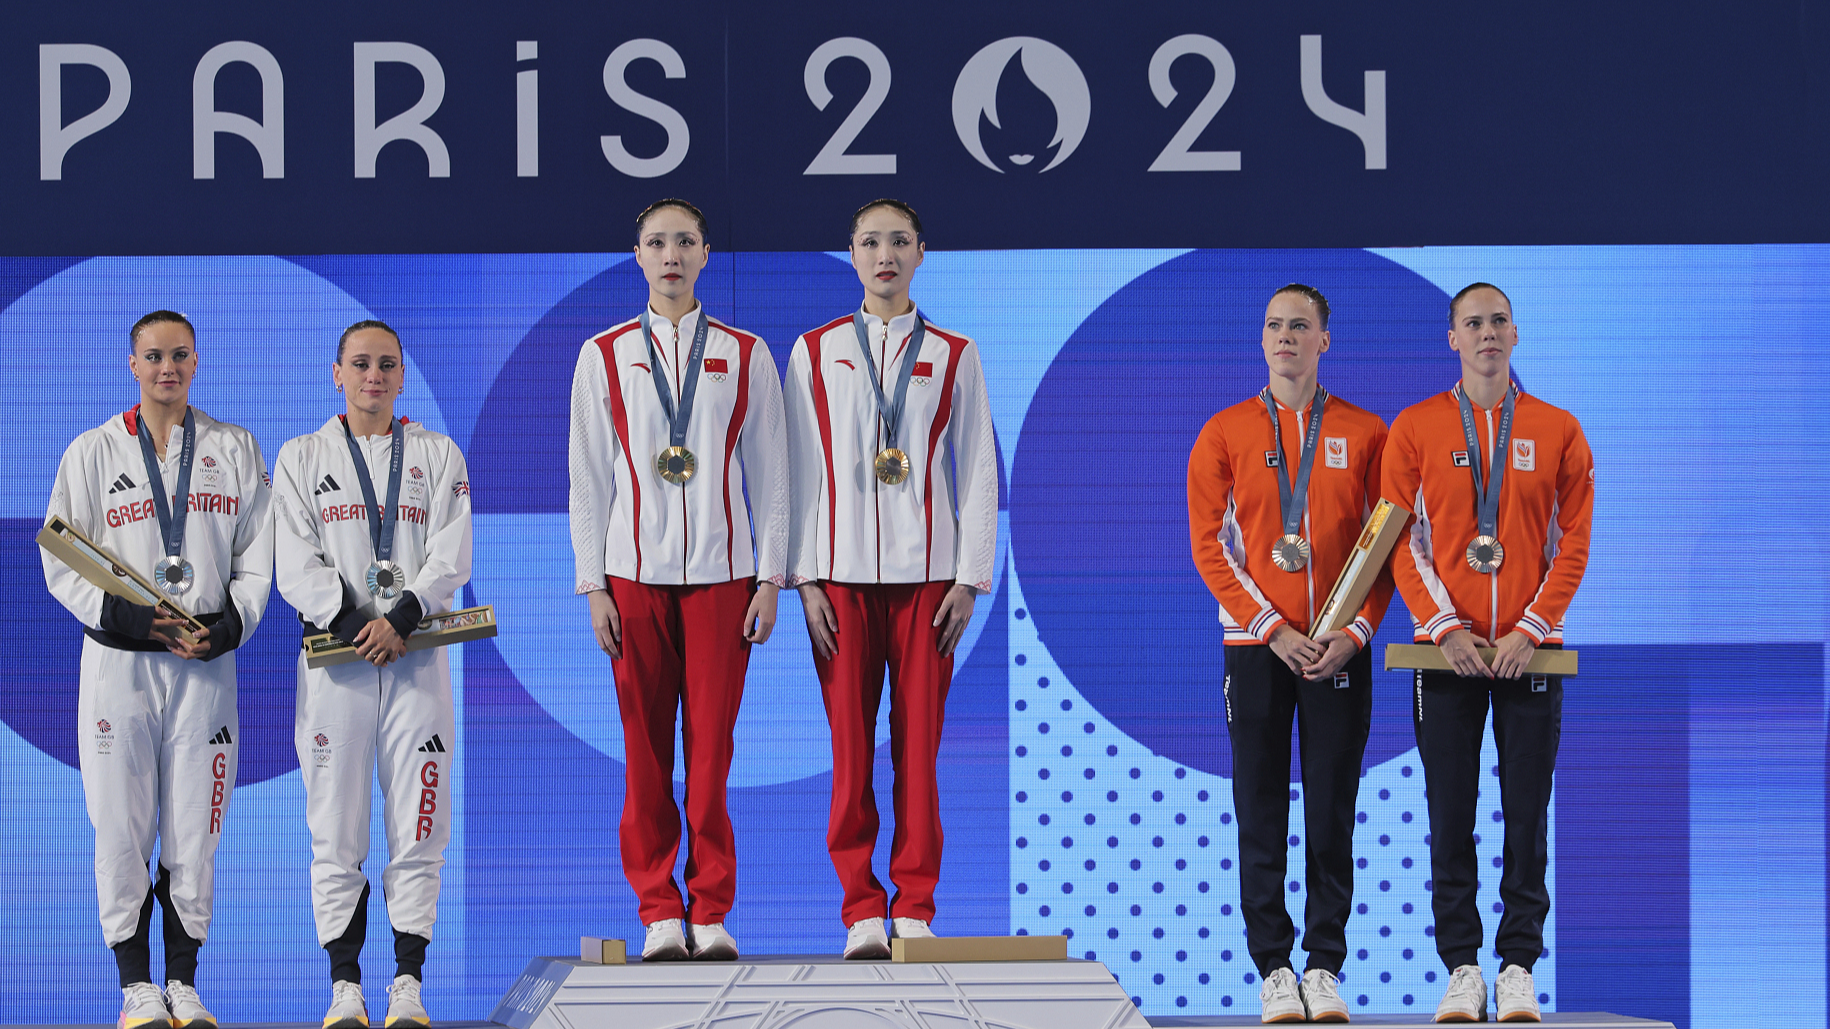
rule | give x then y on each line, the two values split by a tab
894	533
664	558
392	711
156	715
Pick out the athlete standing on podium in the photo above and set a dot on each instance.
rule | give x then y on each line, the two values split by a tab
679	508
890	432
372	517
1279	487
182	498
1503	486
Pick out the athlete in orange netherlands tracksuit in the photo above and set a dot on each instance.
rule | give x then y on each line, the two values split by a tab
1234	518
1546	499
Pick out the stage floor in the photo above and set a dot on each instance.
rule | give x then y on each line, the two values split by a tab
1560	1019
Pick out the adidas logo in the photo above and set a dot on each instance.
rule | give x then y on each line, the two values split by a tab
329	485
122	484
432	746
222	738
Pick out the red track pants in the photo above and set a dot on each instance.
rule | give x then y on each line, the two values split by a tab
683	649
883	625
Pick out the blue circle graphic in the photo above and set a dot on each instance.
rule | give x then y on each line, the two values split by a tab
1099	508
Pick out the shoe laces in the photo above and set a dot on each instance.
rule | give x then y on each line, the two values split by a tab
1467	979
1510	981
1323	978
343	990
176	992
404	987
143	993
1281	982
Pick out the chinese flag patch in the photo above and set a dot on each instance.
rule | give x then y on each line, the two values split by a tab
716	364
924	368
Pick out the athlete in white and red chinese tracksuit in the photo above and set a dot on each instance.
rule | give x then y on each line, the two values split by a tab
886	556
356	719
680	561
160	733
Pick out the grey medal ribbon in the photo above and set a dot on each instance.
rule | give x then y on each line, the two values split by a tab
890	412
695	360
1293	501
171	522
1487	492
381	531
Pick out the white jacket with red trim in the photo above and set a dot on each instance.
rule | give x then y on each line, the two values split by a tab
941	523
630	523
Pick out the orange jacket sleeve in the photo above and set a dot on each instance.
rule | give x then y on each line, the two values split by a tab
1575	511
1372	612
1413	565
1210	490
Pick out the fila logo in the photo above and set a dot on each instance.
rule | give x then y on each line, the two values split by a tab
121	484
1524	455
1461	458
1341	681
1271	459
328	485
432	746
222	738
1335	451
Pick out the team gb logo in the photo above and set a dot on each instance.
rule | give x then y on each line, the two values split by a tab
1050	70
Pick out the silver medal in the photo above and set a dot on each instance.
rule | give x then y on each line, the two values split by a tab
174	575
386	580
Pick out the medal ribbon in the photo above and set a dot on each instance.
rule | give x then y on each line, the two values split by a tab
1294	501
695	359
381	532
171	524
1487	494
891	413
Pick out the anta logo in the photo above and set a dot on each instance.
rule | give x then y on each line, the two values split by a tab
219	789
121	484
1461	458
1335	452
1525	455
846	363
642	366
428	796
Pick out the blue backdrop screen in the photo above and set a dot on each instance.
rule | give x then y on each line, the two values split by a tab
1085	768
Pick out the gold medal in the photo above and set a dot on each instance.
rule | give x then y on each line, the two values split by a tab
1290	553
892	466
1485	554
676	464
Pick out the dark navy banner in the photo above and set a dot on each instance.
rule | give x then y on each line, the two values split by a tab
401	127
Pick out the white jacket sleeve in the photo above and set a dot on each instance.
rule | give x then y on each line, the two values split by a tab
806	468
592	451
306	580
251	556
73	498
447	565
764	448
975	464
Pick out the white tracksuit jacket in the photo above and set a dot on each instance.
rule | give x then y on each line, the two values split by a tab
849	527
161	737
630	523
354	718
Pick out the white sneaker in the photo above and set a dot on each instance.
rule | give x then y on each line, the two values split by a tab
1280	999
665	941
912	929
713	943
143	1007
347	1009
1466	998
866	940
404	1007
186	1007
1322	996
1515	995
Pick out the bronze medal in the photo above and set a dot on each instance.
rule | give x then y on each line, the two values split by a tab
1485	554
1290	553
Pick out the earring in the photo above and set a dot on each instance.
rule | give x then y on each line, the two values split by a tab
402	389
339	387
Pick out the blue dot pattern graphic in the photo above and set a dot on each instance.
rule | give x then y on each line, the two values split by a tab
1134	857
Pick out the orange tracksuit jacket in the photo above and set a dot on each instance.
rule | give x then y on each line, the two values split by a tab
1546	503
1234	518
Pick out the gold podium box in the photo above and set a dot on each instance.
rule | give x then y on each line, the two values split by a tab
1428	657
979	948
67	543
601	950
472	623
1370	552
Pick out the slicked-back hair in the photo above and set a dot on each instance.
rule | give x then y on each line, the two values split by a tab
1471	287
895	205
697	215
154	318
1311	294
368	323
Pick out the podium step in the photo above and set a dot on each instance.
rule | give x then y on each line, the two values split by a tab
1560	1019
817	992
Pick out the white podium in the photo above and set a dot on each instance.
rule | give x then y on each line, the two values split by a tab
823	992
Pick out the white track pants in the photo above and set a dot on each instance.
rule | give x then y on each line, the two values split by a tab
159	744
355	720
